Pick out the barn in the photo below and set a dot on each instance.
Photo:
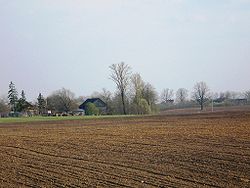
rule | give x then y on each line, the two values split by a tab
102	106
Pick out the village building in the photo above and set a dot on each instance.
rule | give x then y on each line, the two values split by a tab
102	106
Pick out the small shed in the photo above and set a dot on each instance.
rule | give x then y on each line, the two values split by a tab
102	106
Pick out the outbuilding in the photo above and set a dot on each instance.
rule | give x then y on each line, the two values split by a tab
102	106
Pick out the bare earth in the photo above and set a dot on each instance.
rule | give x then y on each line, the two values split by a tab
199	150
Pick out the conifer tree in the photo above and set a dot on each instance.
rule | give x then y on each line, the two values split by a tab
21	103
41	103
12	96
23	97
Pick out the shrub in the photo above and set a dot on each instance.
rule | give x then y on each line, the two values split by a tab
91	109
144	107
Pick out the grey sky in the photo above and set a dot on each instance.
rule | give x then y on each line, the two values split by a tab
46	45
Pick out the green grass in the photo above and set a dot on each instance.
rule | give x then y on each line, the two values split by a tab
36	118
52	118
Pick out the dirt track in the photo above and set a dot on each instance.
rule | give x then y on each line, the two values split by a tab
205	150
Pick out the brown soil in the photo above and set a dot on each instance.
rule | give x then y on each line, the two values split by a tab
181	111
203	150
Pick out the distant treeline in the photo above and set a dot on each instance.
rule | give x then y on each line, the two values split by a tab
133	96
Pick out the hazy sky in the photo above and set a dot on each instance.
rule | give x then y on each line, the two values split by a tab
49	44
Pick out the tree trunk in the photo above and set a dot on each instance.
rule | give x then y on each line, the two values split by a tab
202	104
123	103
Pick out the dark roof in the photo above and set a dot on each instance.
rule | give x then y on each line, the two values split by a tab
92	100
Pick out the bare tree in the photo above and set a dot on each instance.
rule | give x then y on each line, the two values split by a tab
150	95
167	95
62	100
80	99
120	74
4	107
106	95
200	94
117	107
181	95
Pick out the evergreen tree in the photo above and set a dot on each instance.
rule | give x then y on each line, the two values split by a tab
23	97
21	103
41	103
12	96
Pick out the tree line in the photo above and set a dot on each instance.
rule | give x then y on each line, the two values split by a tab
132	96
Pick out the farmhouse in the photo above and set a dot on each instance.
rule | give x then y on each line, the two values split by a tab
102	106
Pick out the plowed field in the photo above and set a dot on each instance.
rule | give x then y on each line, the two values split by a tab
204	150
